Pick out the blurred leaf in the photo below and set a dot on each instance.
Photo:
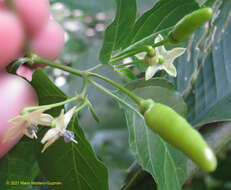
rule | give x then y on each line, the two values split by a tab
222	172
74	45
19	165
117	32
93	113
209	3
197	184
74	165
126	74
160	90
141	67
217	135
90	5
139	180
166	164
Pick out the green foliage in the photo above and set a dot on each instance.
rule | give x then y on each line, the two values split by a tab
166	164
124	28
72	165
208	58
203	82
164	14
19	166
117	32
46	91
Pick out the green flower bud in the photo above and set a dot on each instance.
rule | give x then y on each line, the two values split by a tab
151	60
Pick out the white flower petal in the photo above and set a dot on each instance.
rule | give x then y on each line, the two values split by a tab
158	38
50	142
170	69
34	115
151	71
51	133
18	120
22	122
176	52
162	51
68	116
13	131
169	57
45	120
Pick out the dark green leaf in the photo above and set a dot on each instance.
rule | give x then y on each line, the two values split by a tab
217	135
166	164
222	172
14	65
19	165
126	74
117	32
93	113
74	165
164	14
198	184
46	91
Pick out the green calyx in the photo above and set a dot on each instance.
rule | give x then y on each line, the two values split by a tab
188	24
146	105
24	112
53	123
160	59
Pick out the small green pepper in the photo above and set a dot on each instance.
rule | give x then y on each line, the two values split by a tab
178	132
188	24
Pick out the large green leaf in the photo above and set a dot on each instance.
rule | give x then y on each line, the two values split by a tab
117	32
161	17
74	165
18	166
208	54
164	14
166	164
46	91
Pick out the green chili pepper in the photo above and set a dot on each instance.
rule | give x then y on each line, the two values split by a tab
188	24
178	132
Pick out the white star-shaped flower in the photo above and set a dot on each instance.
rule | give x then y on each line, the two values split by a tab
27	124
60	130
168	59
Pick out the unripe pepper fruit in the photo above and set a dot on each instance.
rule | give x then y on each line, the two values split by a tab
178	132
188	24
